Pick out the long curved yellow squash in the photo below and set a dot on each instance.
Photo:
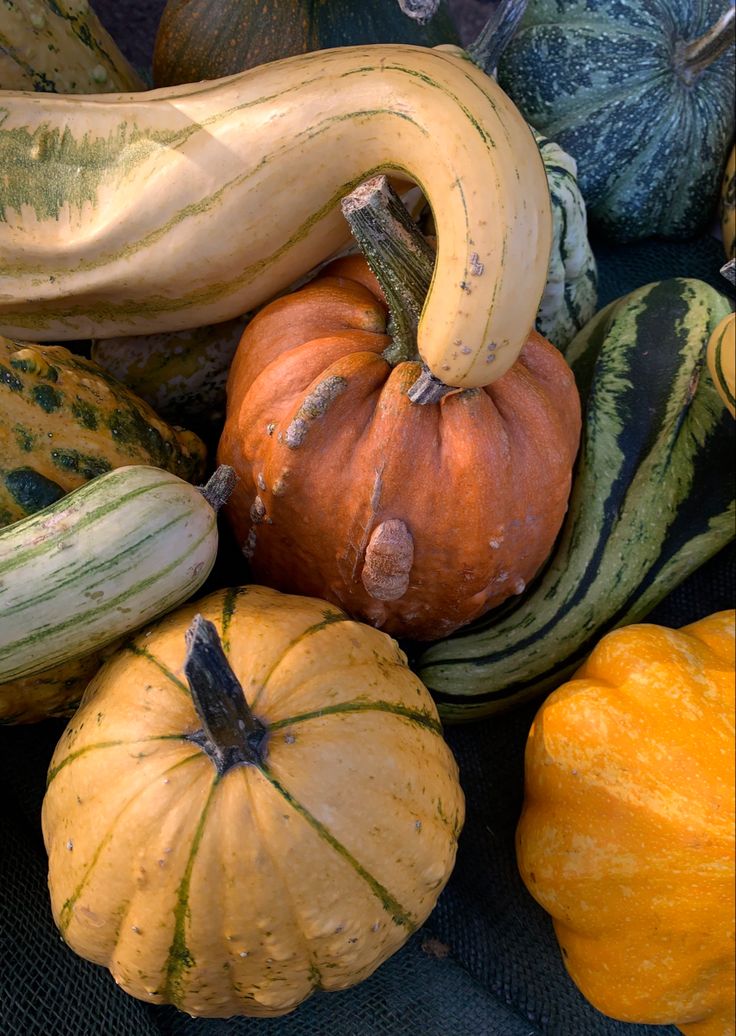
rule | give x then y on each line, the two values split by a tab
135	213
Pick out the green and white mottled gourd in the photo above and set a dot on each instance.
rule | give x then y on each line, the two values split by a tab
60	46
571	294
182	372
64	420
652	499
248	174
116	553
641	94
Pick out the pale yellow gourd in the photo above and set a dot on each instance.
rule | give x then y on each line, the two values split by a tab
190	205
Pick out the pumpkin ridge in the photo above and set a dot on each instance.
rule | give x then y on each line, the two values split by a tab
180	958
398	915
330	616
423	719
68	906
314	971
107	744
81	617
229	603
143	652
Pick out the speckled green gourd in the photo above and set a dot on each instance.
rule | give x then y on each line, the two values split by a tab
631	91
64	421
60	46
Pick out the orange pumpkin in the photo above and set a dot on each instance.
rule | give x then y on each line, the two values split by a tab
414	518
627	833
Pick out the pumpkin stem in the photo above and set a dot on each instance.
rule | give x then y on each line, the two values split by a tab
230	735
420	11
495	36
399	256
728	270
220	485
692	59
428	389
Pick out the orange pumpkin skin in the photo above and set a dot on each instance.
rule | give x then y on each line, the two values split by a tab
627	833
414	518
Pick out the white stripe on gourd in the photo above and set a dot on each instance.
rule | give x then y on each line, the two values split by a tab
108	557
190	205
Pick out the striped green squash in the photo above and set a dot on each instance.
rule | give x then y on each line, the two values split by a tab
231	828
122	549
652	499
60	46
191	205
641	94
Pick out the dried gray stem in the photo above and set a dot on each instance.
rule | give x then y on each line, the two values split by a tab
420	11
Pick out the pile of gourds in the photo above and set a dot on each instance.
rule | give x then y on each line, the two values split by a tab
441	441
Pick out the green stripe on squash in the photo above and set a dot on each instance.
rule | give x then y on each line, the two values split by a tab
652	500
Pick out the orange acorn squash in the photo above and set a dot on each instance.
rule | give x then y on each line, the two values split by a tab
414	518
627	833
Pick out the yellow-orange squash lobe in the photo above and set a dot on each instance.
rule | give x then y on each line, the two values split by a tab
627	833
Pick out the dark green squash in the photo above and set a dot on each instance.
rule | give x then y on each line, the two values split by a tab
206	39
641	94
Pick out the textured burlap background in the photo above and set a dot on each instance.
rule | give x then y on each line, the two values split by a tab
485	964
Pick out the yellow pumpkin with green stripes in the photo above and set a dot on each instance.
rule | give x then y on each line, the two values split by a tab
175	208
254	801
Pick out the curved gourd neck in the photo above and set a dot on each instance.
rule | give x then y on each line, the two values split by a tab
693	58
230	734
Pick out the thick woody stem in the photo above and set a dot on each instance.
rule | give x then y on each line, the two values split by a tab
728	270
692	59
399	256
496	34
420	11
220	485
230	733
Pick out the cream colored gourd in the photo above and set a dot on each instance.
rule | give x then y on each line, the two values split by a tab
191	205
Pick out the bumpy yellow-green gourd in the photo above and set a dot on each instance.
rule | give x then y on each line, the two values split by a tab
60	46
64	420
190	205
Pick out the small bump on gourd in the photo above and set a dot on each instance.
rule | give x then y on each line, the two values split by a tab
389	557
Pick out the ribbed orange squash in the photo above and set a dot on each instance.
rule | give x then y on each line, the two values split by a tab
627	832
414	518
232	860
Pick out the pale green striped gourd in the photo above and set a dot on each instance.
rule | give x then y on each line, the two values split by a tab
119	551
652	499
191	205
60	46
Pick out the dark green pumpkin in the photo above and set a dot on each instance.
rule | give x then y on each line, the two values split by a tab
646	112
205	39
